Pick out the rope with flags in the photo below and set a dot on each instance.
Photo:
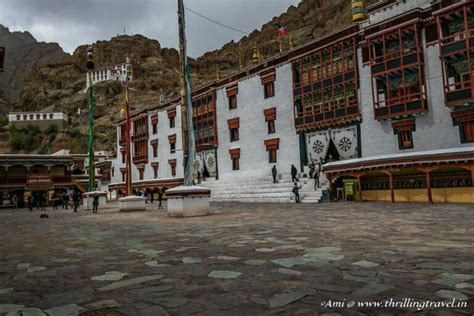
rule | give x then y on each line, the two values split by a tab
90	141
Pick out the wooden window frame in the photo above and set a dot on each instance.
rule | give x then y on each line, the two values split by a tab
154	146
404	131
172	164
459	88
272	146
155	166
327	92
234	134
205	120
270	117
464	119
235	158
397	90
269	90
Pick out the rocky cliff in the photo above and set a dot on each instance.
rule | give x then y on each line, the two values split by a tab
24	55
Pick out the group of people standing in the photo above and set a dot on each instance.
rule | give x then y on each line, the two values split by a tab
314	173
145	194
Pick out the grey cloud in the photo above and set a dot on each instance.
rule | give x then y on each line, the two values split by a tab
75	22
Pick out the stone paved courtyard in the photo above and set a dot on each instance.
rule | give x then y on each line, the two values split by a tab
255	259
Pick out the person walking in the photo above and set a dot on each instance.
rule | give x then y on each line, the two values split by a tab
160	199
30	203
76	198
311	169
95	203
42	201
66	200
294	172
317	170
15	202
274	173
296	192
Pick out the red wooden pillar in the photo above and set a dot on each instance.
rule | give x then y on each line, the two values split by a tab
392	192
359	189
428	186
472	175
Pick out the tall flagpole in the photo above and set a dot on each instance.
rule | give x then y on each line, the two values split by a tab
90	141
186	105
128	160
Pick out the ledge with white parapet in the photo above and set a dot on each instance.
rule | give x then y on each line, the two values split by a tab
132	203
188	201
88	199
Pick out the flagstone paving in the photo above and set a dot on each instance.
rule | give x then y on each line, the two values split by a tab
244	259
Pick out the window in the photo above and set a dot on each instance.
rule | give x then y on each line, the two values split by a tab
272	154
123	175
468	131
173	167
232	102
141	171
171	117
154	128
405	140
155	170
51	116
270	116
154	145
271	126
172	140
269	90
234	134
235	157
272	146
268	82
404	131
465	120
45	116
235	164
123	156
234	125
113	171
18	117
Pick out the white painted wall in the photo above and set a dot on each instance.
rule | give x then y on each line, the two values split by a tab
253	128
398	8
164	130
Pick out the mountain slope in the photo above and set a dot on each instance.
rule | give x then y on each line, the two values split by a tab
23	56
60	86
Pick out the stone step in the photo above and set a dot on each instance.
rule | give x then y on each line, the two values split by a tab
249	195
251	200
256	190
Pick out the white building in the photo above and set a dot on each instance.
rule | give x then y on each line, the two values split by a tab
118	73
41	119
388	86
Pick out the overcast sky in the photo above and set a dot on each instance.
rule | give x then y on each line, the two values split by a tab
75	22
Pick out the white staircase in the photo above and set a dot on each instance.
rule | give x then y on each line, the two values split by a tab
263	190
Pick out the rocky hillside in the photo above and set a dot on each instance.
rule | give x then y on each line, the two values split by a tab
24	55
60	84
